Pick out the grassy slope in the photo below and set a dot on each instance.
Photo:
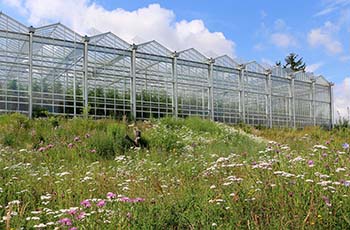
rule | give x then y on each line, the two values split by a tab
195	174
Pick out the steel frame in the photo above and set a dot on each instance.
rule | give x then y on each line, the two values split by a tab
54	68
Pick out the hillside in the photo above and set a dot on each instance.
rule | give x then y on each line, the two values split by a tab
189	174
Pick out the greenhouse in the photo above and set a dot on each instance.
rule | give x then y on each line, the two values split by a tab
55	69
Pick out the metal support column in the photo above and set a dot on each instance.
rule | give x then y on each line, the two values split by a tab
174	83
313	97
331	84
211	62
74	94
85	77
30	82
241	93
268	90
292	95
133	80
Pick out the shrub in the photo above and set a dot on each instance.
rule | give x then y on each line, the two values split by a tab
171	122
40	112
9	139
103	144
118	133
202	125
164	138
54	121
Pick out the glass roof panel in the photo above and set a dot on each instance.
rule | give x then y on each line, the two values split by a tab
255	67
154	47
279	71
58	31
321	80
226	61
110	40
192	55
303	76
9	24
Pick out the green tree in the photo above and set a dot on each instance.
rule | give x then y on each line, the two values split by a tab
294	62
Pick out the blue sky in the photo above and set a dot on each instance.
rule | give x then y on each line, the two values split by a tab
265	31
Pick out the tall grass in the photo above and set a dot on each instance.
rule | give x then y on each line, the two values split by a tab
194	174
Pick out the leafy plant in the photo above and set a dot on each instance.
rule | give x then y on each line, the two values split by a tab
103	144
118	132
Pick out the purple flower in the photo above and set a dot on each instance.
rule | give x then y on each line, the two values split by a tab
101	203
70	145
138	199
73	228
93	151
81	216
76	139
131	200
326	200
111	195
86	203
346	146
310	163
41	149
72	212
124	199
65	221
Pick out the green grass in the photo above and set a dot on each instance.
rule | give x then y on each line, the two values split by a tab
193	174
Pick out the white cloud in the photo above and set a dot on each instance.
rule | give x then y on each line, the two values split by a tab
345	58
16	4
259	47
332	6
280	24
263	14
341	98
325	11
267	63
278	34
149	23
283	40
313	67
323	37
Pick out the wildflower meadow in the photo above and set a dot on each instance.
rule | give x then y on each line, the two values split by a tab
59	173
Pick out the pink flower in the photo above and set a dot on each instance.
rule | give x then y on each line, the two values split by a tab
76	139
93	151
124	199
70	145
81	216
138	199
111	195
72	212
86	203
65	221
74	228
326	200
101	203
41	149
87	135
49	146
131	200
310	163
